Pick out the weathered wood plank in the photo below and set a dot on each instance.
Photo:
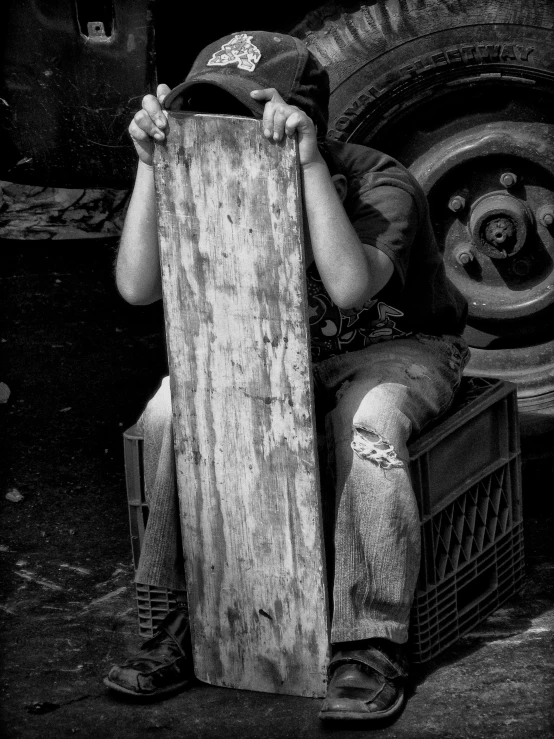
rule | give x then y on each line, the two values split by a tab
230	230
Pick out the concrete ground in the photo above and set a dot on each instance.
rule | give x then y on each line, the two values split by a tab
79	365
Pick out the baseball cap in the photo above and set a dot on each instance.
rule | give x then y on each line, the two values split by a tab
251	60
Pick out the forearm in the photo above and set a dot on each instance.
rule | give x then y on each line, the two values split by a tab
138	262
341	260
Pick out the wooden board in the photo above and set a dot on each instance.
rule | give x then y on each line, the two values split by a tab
230	228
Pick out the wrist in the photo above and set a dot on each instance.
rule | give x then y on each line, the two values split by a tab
142	165
316	163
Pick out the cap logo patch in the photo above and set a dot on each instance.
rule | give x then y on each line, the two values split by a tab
240	51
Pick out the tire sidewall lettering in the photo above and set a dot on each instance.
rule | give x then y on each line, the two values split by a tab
476	58
467	56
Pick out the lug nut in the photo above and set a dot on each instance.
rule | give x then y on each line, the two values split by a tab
545	215
508	179
457	203
465	258
463	254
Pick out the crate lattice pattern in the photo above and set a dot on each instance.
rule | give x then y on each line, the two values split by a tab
463	601
153	605
471	523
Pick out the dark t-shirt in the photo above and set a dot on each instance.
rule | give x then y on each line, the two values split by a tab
389	211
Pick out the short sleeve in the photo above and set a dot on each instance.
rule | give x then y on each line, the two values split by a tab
387	217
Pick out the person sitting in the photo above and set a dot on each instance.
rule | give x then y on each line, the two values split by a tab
387	358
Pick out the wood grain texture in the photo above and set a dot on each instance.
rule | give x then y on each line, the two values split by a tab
234	293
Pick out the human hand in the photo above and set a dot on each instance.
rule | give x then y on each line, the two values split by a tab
281	119
148	124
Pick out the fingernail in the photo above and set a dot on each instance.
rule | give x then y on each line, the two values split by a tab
160	122
267	132
276	136
158	136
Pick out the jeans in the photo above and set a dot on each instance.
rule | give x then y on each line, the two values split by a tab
373	400
161	556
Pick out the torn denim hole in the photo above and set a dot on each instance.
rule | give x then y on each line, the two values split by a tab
371	446
416	372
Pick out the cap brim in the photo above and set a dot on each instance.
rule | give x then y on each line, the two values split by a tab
238	87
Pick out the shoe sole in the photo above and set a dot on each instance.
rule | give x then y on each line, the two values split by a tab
364	716
154	695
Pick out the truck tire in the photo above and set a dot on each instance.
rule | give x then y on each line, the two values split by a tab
461	92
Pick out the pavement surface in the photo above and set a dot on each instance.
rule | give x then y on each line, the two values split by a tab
77	367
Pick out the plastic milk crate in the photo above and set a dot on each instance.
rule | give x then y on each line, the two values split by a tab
152	603
466	475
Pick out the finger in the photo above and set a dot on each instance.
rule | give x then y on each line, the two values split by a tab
137	133
151	105
143	125
161	92
294	122
267	120
279	119
267	94
273	99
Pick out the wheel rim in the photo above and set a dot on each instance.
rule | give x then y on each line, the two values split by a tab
464	138
498	244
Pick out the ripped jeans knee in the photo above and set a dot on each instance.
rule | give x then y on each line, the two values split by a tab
373	447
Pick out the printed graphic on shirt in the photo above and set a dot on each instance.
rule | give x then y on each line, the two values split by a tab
334	331
240	51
